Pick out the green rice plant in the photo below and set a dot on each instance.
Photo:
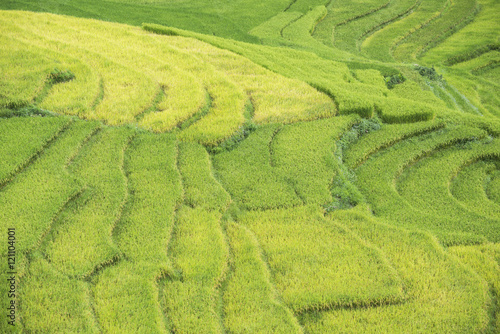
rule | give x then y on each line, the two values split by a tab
470	40
251	303
410	90
493	187
443	295
432	195
489	124
380	44
464	93
481	259
370	77
353	102
342	13
376	180
303	154
201	189
305	6
301	29
154	184
23	139
231	20
54	303
349	35
20	83
318	265
464	57
57	76
272	28
489	99
274	97
200	252
183	97
480	63
126	299
118	80
388	135
306	66
81	241
468	187
224	119
397	110
297	34
454	17
247	173
32	199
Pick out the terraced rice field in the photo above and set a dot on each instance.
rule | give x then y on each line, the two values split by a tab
304	166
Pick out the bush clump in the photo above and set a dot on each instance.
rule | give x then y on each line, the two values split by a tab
394	80
429	73
58	76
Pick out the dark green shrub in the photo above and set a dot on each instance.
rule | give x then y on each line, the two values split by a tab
429	73
393	80
58	76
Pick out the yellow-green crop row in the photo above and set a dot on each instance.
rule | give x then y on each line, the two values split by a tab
22	139
379	44
442	294
317	265
484	60
300	31
20	84
468	187
493	188
274	97
200	253
247	174
425	186
82	241
143	233
125	75
458	14
35	196
484	261
342	13
376	177
398	110
303	155
272	28
125	299
387	136
463	43
201	189
251	303
349	36
54	303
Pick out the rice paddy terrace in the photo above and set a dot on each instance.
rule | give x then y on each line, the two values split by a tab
304	166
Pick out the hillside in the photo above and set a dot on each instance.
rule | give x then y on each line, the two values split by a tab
250	167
